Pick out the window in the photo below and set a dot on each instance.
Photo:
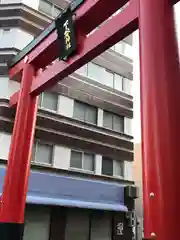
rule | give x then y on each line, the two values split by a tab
103	76
120	47
118	168
6	38
37	222
113	121
85	112
42	153
124	49
82	160
97	225
112	167
95	72
6	30
127	86
118	82
74	220
101	227
82	70
48	100
107	166
49	8
109	79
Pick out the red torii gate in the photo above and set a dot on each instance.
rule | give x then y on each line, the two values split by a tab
160	94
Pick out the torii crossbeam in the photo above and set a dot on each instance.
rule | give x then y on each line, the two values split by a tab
160	87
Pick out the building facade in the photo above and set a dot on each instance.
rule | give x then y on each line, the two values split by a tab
83	149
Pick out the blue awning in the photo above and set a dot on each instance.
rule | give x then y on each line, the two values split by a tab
76	203
62	190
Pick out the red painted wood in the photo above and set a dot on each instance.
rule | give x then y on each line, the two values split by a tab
14	99
16	179
160	86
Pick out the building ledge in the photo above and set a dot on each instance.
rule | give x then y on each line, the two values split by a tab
50	169
22	16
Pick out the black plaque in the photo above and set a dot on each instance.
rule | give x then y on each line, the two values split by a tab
66	35
121	230
118	226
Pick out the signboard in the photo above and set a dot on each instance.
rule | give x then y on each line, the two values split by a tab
121	228
118	226
66	35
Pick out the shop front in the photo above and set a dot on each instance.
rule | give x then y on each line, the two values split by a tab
74	208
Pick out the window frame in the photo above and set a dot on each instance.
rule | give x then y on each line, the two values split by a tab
40	105
87	71
113	115
33	158
122	167
52	6
6	29
113	73
113	168
85	107
82	160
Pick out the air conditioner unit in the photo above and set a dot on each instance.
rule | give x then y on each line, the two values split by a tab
131	192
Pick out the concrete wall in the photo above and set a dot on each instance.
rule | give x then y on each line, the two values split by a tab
34	3
17	34
5	140
7	87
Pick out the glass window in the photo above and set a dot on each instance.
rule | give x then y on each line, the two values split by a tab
107	120
101	228
90	114
76	159
113	121
49	100
85	112
42	153
107	166
127	86
120	47
103	76
118	168
77	224
82	70
56	11
88	162
109	79
118	82
37	222
45	7
118	123
6	31
48	8
79	111
81	160
6	37
95	72
112	167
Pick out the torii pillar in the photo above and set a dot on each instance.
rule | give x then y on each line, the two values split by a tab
160	98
